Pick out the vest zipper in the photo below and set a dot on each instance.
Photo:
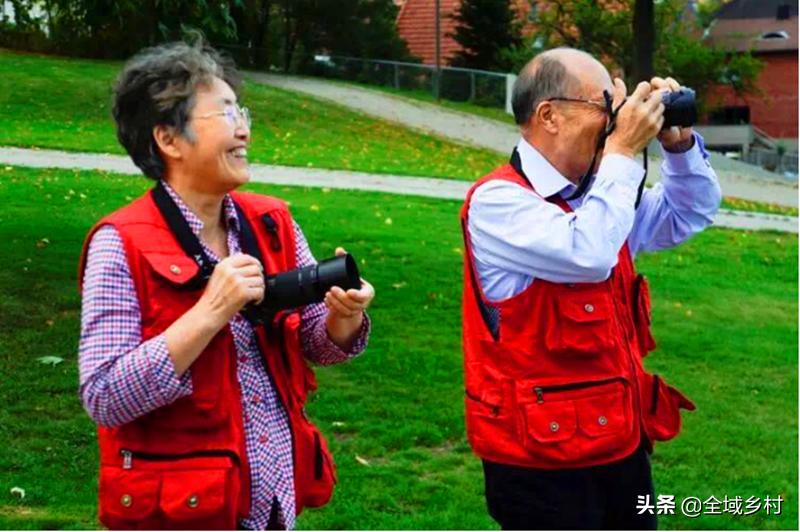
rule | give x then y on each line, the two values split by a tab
540	390
282	342
128	456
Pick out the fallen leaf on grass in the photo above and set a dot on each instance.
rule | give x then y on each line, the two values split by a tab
42	242
337	424
19	492
53	361
399	285
362	461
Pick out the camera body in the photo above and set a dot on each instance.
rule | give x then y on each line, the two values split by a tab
680	108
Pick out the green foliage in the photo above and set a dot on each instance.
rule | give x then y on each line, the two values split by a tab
725	318
257	32
483	29
605	30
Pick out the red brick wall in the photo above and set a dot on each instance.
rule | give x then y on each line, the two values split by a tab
775	110
416	24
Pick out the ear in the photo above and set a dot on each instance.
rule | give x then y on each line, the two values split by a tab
167	142
546	117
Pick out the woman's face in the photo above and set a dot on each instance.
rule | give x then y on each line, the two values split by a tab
215	152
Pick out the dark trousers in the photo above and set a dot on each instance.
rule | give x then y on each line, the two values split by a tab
599	497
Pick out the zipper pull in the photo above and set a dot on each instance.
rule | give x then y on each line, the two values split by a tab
127	459
539	395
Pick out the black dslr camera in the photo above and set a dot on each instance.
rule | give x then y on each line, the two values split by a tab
302	286
680	108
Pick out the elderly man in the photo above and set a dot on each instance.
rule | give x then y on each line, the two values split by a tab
199	406
556	320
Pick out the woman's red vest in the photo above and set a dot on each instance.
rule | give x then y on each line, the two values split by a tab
184	465
553	375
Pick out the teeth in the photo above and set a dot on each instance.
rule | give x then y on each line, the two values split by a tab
239	152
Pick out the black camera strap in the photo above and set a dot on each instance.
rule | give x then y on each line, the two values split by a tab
183	234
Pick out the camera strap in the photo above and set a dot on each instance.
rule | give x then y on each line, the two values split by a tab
184	235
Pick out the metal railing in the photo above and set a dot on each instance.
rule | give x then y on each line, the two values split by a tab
785	163
481	87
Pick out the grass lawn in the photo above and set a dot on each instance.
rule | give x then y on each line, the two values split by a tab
725	310
62	103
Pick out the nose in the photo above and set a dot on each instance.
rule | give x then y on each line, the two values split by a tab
242	131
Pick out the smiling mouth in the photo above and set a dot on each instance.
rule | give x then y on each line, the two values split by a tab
239	153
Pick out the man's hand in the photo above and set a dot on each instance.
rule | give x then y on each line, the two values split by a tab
346	311
237	280
638	121
674	139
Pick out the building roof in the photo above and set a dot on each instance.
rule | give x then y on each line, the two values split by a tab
754	25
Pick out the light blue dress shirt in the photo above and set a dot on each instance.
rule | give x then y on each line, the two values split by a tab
517	236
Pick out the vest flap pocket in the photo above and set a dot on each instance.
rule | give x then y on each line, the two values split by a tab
176	269
193	494
602	415
127	496
585	307
550	422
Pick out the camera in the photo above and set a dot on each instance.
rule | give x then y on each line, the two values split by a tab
302	286
680	108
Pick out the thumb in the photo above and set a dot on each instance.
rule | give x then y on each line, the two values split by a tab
340	251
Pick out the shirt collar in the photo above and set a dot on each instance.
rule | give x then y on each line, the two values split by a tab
195	224
543	176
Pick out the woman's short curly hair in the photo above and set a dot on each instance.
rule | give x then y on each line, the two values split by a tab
157	87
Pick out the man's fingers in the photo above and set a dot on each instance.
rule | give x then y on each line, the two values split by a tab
336	305
241	259
673	84
341	296
641	93
340	251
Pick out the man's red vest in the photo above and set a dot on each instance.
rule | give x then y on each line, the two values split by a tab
184	465
553	375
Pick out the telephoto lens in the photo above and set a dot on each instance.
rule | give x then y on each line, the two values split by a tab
680	108
306	285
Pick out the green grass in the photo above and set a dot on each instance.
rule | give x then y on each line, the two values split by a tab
740	204
62	103
725	310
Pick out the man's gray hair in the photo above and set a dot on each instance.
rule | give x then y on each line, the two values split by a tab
545	76
157	87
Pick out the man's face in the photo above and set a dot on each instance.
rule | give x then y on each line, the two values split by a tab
215	155
584	122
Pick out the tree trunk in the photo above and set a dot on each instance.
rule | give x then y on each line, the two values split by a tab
644	36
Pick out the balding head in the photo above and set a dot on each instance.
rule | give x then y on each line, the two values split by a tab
560	72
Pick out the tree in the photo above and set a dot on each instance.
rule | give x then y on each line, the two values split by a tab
484	29
605	29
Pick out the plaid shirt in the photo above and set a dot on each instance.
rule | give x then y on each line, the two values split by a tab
122	378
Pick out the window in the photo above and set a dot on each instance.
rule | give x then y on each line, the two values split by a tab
730	116
774	35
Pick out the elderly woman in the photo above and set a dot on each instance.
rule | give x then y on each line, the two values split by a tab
199	409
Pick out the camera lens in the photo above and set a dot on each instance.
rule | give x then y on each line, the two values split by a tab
680	108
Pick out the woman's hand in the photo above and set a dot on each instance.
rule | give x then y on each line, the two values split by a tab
346	311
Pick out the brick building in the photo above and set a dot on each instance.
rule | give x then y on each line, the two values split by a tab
768	28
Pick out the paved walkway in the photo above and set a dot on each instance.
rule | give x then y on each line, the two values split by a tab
339	179
738	180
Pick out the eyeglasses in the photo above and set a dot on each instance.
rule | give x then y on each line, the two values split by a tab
601	105
235	114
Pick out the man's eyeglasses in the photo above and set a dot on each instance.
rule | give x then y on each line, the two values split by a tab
234	113
601	105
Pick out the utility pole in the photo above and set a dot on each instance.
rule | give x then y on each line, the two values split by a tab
644	36
438	72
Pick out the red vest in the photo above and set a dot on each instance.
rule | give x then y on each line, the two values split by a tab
553	375
184	465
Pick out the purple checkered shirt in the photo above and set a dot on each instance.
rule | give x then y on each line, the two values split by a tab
122	378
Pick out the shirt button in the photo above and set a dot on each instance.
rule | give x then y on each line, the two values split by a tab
602	421
588	308
554	426
256	398
263	439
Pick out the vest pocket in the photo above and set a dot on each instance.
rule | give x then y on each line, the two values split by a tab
314	470
582	326
159	491
661	406
642	316
574	422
